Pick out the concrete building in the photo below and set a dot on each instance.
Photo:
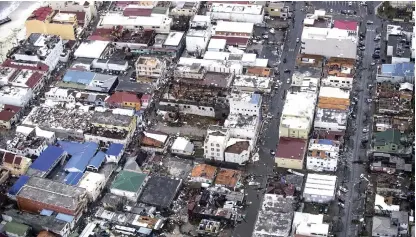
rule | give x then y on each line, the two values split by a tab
161	23
204	174
15	96
401	72
83	9
40	48
322	155
305	224
153	141
199	34
277	9
92	182
217	45
149	67
185	9
382	226
248	104
320	188
237	151
182	146
248	83
333	98
297	115
215	143
128	184
39	194
339	82
329	42
45	20
22	77
331	120
9	115
290	153
236	33
236	12
242	126
16	164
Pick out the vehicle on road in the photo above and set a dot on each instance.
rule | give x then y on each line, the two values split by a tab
287	71
288	81
253	183
369	22
265	36
349	4
369	100
272	30
284	60
272	152
373	63
342	205
297	40
343	189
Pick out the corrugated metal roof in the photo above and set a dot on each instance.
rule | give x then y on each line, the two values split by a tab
64	217
47	158
46	212
97	160
81	154
115	149
73	178
325	142
18	185
79	77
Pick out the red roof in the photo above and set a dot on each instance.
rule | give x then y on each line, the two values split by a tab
36	66
40	14
80	16
233	40
123	97
137	12
346	25
101	34
8	112
291	148
34	79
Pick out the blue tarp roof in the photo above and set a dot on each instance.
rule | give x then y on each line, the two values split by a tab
47	158
399	69
46	212
64	217
325	142
81	154
18	185
73	178
79	77
97	160
115	149
255	99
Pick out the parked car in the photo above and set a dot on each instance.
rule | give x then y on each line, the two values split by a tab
287	70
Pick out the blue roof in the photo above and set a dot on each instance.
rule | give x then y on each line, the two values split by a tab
79	77
324	142
115	149
46	212
18	185
81	154
64	217
255	99
97	160
399	69
47	158
73	178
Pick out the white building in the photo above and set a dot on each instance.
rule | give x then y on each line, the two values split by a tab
217	45
60	95
242	126
17	96
236	33
41	48
158	22
94	183
339	82
236	12
319	188
248	104
88	7
237	151
215	143
185	9
149	67
182	146
331	120
252	83
307	224
329	42
380	205
322	155
199	34
93	49
297	115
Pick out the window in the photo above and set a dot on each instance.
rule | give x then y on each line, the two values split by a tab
218	150
218	145
218	154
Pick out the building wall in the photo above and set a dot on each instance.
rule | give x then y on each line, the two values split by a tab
293	132
258	71
8	124
236	17
319	125
244	108
18	170
53	58
289	163
192	109
237	158
321	164
339	82
193	43
317	198
215	150
66	31
131	196
35	207
330	48
276	11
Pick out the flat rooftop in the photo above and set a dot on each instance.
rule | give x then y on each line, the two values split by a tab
236	8
109	118
160	191
331	116
300	104
333	92
234	27
291	148
252	82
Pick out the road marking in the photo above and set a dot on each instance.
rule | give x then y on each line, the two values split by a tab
291	50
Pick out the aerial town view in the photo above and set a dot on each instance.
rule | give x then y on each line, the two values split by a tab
210	118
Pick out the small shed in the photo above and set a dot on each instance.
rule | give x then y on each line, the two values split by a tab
14	229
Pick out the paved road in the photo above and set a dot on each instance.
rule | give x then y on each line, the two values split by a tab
365	75
269	136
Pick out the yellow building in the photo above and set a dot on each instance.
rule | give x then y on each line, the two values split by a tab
17	165
44	20
124	99
290	153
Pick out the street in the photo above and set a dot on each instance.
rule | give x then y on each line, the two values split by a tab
268	138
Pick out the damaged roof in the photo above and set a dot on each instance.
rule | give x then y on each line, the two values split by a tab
204	171
228	178
160	191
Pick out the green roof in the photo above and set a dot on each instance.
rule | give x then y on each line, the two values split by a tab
390	135
16	228
128	181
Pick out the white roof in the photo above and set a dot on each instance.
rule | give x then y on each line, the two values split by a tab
180	143
118	19
63	16
128	112
306	224
158	137
236	27
386	207
323	185
44	133
174	38
301	104
252	81
334	92
315	229
24	130
91	180
217	44
296	123
237	8
91	49
201	18
246	58
406	86
318	33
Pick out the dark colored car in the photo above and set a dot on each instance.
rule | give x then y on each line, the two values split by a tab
287	71
284	60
